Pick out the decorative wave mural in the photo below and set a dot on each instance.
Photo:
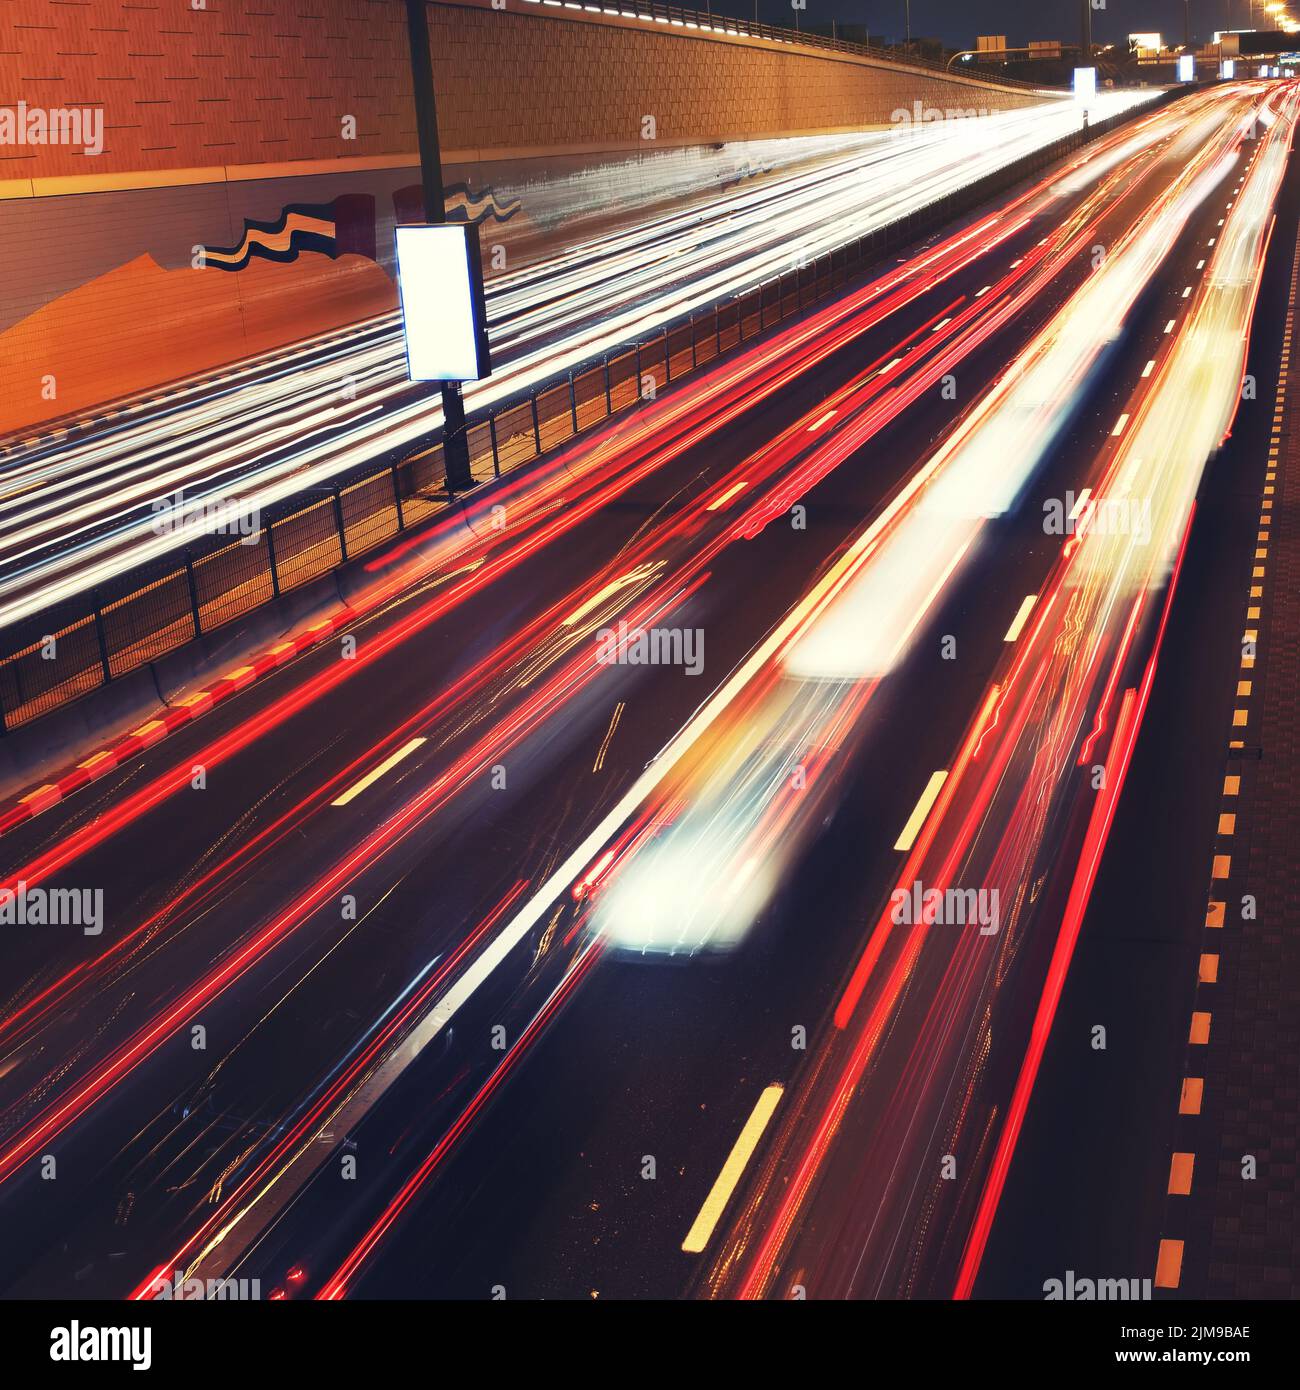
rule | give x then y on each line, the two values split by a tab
283	259
346	226
461	203
343	227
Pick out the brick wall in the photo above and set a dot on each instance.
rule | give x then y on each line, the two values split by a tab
223	114
250	82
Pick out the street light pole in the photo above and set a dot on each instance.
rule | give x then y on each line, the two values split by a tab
1085	33
455	445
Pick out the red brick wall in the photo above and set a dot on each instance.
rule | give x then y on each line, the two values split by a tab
237	82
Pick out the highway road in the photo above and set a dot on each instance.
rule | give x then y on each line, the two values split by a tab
80	503
564	933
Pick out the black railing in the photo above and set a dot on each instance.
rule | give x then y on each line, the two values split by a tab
675	16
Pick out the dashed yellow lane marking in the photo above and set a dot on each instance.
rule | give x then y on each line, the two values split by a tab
1169	1259
732	1170
1022	616
1180	1174
373	776
1169	1264
1193	1093
916	820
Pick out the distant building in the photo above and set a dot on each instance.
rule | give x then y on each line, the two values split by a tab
1146	45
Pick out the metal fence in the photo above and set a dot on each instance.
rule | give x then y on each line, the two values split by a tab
141	616
676	16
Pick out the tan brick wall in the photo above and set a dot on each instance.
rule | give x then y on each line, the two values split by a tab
578	82
269	82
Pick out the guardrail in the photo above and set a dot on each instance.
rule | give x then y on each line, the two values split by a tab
95	638
675	16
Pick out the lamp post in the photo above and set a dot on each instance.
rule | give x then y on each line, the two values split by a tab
455	444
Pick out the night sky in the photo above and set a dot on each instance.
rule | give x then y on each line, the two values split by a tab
958	21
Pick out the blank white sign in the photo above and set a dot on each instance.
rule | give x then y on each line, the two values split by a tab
441	289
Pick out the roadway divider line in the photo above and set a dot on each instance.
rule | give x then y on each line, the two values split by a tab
1169	1256
923	808
1021	618
702	1228
375	774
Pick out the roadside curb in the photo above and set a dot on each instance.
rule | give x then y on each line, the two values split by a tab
168	720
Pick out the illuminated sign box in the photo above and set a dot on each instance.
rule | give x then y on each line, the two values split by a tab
1187	68
1085	84
444	313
